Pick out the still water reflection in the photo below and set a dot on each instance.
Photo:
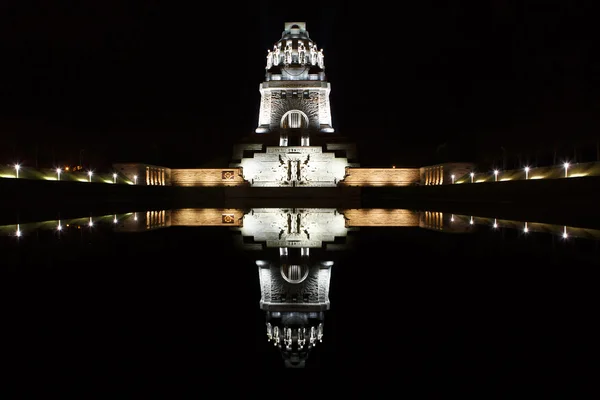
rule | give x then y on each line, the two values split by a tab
420	287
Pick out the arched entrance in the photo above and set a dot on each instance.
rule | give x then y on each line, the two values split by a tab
294	129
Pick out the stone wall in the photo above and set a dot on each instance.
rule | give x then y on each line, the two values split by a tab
144	174
206	217
312	294
207	177
381	217
444	174
381	177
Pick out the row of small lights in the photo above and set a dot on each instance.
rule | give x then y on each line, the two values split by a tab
526	169
565	235
90	173
59	227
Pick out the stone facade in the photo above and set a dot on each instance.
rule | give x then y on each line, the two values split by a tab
295	93
207	177
381	177
145	174
290	166
444	174
381	217
306	228
206	217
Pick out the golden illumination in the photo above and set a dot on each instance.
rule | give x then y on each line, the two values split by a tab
206	217
381	217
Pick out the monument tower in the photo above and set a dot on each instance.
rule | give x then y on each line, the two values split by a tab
295	143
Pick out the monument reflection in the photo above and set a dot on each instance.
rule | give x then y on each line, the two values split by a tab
295	251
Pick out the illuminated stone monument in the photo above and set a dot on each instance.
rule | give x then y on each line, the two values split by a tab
295	143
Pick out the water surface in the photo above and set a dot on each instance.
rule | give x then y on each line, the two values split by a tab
174	291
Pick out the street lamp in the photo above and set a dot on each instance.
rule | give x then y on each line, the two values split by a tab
495	175
526	173
114	178
566	165
90	175
472	175
17	168
452	176
135	179
58	174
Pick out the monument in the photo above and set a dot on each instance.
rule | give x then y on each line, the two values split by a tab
295	143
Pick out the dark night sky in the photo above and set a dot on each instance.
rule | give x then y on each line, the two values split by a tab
177	85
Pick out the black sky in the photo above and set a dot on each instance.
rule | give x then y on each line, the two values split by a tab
177	85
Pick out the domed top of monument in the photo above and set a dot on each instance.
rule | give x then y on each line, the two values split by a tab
294	30
295	52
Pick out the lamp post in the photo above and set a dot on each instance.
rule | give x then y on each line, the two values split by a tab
58	174
526	173
566	165
135	179
17	168
90	175
472	175
495	175
452	176
114	178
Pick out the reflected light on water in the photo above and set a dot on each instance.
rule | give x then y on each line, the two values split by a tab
353	218
293	250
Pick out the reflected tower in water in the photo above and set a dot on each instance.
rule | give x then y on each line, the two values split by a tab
294	258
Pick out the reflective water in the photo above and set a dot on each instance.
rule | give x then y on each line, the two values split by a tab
171	291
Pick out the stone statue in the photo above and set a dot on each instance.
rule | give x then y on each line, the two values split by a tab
276	58
313	55
288	52
269	59
301	52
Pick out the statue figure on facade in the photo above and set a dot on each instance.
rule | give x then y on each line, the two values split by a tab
276	55
313	55
269	59
320	57
288	52
301	53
